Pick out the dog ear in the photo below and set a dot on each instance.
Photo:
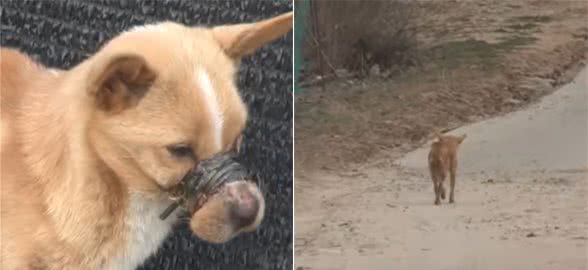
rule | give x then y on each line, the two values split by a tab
438	135
118	82
462	138
242	39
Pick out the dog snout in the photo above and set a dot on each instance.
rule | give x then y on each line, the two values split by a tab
245	205
238	207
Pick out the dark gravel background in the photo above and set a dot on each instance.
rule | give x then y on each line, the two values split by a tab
61	33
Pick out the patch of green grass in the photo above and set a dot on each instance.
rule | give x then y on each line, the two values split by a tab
334	122
514	42
464	18
524	26
457	53
533	19
526	23
482	54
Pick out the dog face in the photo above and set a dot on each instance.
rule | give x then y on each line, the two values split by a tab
164	98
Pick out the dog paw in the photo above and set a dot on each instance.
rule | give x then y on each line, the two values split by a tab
442	192
437	202
451	201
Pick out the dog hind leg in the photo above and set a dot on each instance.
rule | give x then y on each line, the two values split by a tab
435	179
436	189
441	182
442	190
452	180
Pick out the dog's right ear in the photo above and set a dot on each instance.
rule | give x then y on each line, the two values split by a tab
239	40
462	138
118	82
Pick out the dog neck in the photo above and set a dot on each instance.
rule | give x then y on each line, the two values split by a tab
77	187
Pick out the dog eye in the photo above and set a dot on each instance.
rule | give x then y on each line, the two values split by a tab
181	151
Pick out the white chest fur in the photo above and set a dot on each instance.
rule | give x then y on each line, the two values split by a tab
144	232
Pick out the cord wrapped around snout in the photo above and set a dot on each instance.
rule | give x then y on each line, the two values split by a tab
203	181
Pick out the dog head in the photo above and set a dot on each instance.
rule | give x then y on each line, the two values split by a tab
163	99
449	139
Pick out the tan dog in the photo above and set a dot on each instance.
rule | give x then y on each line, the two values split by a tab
86	153
443	161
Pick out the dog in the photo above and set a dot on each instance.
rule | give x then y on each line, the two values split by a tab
87	154
443	161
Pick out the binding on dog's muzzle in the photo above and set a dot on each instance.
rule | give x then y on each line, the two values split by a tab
203	180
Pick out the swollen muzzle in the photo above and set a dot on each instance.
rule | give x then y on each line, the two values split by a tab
203	181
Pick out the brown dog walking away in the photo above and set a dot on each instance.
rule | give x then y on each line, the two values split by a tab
443	161
88	153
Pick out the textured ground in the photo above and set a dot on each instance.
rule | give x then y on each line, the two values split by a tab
521	200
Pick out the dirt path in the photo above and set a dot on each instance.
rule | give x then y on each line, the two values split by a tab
522	200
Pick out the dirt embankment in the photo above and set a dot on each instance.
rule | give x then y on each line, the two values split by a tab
482	59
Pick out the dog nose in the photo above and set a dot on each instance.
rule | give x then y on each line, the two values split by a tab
245	200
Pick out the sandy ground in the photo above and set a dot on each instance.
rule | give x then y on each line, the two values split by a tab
521	200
